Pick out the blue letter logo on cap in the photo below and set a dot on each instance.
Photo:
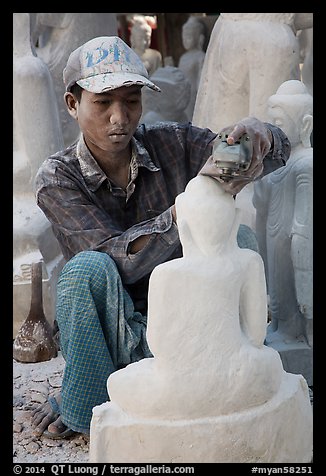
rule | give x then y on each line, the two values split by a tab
89	56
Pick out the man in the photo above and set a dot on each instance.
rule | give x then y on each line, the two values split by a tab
110	198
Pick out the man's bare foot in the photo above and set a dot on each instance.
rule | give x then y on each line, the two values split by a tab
46	418
57	427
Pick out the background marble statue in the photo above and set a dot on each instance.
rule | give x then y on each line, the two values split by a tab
37	134
140	40
55	36
191	62
169	104
248	56
284	203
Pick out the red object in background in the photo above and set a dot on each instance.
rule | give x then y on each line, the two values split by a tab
152	22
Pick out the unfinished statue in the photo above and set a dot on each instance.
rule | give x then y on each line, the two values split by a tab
284	227
212	383
211	316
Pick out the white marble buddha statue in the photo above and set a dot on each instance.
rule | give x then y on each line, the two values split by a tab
140	40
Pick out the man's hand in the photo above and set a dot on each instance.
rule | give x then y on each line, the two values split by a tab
261	138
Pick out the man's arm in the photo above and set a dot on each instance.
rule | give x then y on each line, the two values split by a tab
79	224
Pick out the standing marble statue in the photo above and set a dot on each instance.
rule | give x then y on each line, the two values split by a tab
284	203
36	133
212	385
248	56
54	36
140	40
191	62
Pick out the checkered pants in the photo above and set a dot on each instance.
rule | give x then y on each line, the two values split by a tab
99	333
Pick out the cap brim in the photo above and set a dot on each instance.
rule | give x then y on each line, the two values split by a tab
108	81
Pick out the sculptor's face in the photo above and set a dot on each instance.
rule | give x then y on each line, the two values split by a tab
107	120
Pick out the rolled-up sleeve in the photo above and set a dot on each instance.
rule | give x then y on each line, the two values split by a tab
163	241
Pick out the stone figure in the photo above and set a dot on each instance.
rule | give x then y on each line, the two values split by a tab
248	56
207	320
191	62
36	133
170	104
54	36
284	203
140	40
216	292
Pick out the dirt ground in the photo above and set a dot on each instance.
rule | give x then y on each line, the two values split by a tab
31	384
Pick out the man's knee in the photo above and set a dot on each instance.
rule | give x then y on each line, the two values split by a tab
90	263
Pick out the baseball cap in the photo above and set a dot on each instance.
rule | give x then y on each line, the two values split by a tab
105	63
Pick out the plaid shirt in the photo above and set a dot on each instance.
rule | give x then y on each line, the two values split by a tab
88	212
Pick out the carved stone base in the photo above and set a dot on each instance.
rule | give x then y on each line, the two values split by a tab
280	431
